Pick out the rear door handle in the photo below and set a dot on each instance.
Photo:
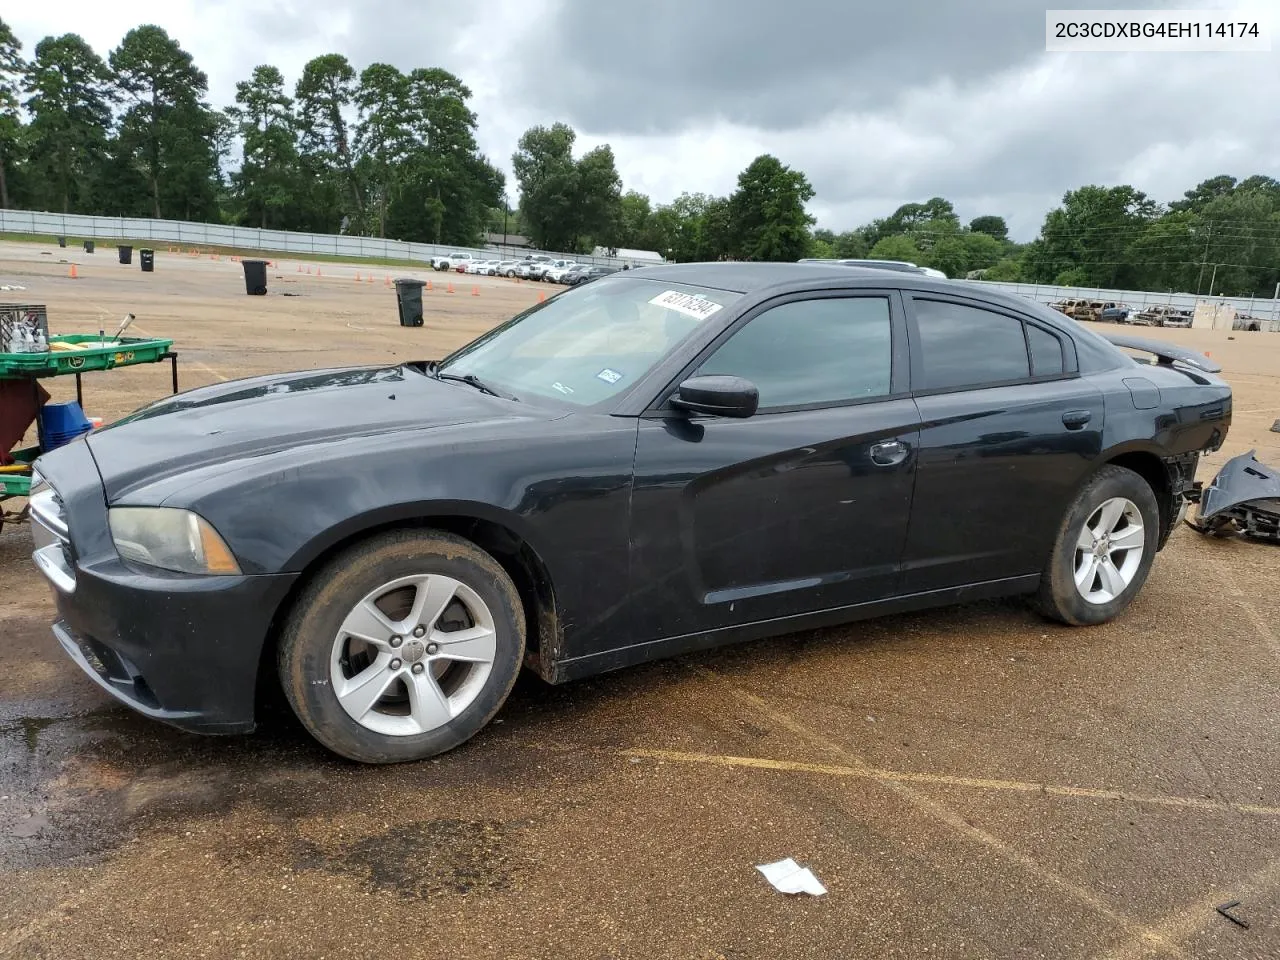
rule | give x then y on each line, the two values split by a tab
1075	419
889	453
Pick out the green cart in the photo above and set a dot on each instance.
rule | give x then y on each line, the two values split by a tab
123	352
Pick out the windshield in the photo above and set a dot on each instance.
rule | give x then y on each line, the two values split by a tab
589	343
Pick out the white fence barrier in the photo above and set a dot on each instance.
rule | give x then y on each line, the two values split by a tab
250	238
334	245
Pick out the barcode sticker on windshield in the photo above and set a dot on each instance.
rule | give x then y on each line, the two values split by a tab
691	306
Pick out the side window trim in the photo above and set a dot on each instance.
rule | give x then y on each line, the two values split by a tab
1069	360
900	356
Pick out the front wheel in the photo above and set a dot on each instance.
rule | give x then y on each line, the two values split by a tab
402	647
1104	550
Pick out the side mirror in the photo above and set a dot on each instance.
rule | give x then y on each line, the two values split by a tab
719	396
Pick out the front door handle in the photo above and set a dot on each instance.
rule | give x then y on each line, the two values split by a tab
889	453
1075	419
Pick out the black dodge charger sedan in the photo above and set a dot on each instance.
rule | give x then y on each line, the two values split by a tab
659	461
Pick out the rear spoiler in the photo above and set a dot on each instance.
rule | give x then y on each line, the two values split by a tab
1166	354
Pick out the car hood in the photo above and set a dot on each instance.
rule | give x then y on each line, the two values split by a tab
265	415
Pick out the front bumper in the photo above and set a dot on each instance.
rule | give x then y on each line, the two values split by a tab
177	648
185	651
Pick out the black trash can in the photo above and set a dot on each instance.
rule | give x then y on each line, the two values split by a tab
409	298
148	260
255	277
88	246
62	241
126	253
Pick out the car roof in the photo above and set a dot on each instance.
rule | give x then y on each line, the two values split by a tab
757	278
743	277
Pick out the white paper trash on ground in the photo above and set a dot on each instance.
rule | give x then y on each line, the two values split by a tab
787	876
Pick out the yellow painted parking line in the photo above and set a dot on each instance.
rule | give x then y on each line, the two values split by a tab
1137	932
937	779
1180	926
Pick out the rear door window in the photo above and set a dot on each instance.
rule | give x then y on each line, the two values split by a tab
962	346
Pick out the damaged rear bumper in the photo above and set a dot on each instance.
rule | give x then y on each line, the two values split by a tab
1244	497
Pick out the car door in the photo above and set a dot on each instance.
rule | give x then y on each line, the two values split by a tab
1008	430
800	507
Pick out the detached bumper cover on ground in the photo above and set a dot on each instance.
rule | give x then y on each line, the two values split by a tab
1245	497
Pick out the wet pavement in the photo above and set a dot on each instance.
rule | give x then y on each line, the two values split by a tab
972	782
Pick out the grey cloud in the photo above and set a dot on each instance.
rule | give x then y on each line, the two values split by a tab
659	65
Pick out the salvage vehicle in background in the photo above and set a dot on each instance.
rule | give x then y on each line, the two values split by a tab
659	461
1163	315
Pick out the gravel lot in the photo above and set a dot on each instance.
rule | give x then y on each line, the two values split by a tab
972	782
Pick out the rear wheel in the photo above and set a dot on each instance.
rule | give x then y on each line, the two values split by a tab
1104	549
402	647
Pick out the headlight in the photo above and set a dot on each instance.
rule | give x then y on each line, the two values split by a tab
170	539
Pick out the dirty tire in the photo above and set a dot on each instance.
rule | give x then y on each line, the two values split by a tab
1058	597
308	636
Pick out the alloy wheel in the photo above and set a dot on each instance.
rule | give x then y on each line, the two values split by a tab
1109	550
413	654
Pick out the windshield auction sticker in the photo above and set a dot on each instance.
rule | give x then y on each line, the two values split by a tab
691	306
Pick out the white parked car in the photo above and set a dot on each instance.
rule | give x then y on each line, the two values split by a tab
451	262
557	269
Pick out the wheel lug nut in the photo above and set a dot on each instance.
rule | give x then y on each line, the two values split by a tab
419	631
395	664
396	641
433	648
418	668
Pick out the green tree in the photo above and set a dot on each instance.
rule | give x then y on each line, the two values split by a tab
168	129
820	247
383	140
598	206
896	247
324	95
448	187
12	70
70	110
1090	234
767	211
1204	191
268	180
850	245
548	179
1008	270
636	221
990	225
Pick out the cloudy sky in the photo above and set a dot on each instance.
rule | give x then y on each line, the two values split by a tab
880	103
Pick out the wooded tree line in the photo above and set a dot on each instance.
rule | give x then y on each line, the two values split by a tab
380	152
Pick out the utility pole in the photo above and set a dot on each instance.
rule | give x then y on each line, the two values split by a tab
1204	261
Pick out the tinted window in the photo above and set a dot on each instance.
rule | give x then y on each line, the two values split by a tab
812	351
965	346
1046	352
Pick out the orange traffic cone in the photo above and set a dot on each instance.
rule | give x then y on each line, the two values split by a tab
317	271
357	278
428	284
475	291
72	272
450	290
541	296
369	278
